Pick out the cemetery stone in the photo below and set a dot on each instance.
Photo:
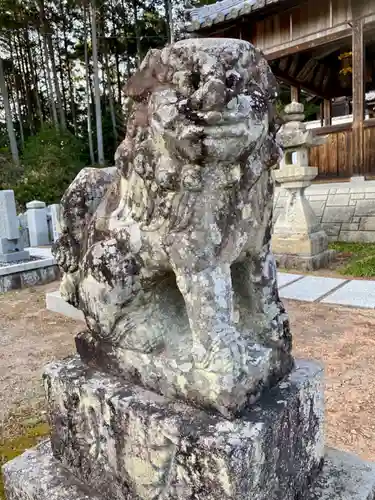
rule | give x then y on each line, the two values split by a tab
37	222
55	223
11	246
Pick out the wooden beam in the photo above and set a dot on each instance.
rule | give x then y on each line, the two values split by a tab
308	42
293	65
294	93
318	78
358	97
307	72
327	107
284	63
286	79
313	40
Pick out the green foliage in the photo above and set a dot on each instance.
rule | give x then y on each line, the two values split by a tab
359	259
310	108
50	161
10	448
10	173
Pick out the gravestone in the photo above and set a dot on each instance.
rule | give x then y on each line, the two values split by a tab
184	386
55	220
11	246
37	222
24	230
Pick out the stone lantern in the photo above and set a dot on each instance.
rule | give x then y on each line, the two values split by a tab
298	240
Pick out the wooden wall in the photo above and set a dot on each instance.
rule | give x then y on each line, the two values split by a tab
334	158
311	19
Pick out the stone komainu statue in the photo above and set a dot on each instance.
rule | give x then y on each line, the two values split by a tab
168	253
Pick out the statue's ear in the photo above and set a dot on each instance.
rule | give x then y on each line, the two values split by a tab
144	80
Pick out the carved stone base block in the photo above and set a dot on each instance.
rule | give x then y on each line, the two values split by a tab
308	263
298	239
14	256
36	475
305	252
125	442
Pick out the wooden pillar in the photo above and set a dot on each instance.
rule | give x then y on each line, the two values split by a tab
321	114
327	106
294	93
358	97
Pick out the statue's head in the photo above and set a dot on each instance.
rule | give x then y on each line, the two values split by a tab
203	100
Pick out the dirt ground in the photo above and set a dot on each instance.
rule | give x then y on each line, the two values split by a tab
342	339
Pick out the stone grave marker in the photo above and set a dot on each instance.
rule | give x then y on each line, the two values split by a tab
37	222
11	246
55	222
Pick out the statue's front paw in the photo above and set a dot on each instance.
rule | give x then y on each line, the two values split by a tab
226	352
66	252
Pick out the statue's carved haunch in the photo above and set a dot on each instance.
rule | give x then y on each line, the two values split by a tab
168	254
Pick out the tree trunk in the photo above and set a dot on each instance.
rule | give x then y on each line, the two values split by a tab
126	41
8	116
98	111
27	86
137	33
9	82
47	66
110	97
169	20
32	71
16	77
19	114
117	58
56	81
49	83
69	71
62	80
44	66
88	90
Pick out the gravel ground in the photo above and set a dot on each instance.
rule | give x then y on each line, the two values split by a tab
7	264
341	338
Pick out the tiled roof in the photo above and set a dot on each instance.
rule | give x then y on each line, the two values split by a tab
202	17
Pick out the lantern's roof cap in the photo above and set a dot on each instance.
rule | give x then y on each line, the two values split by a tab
219	12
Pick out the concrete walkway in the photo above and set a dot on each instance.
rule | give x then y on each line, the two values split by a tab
343	292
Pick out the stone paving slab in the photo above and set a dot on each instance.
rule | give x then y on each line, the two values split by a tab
355	293
284	279
55	303
310	288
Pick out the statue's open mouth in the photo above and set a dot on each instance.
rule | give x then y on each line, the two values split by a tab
221	130
226	130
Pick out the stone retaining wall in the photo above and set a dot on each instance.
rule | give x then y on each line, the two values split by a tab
29	278
346	210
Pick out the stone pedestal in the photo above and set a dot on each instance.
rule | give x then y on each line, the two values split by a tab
298	240
11	244
37	475
123	441
114	440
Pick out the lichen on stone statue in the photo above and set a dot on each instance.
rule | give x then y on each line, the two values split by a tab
168	253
